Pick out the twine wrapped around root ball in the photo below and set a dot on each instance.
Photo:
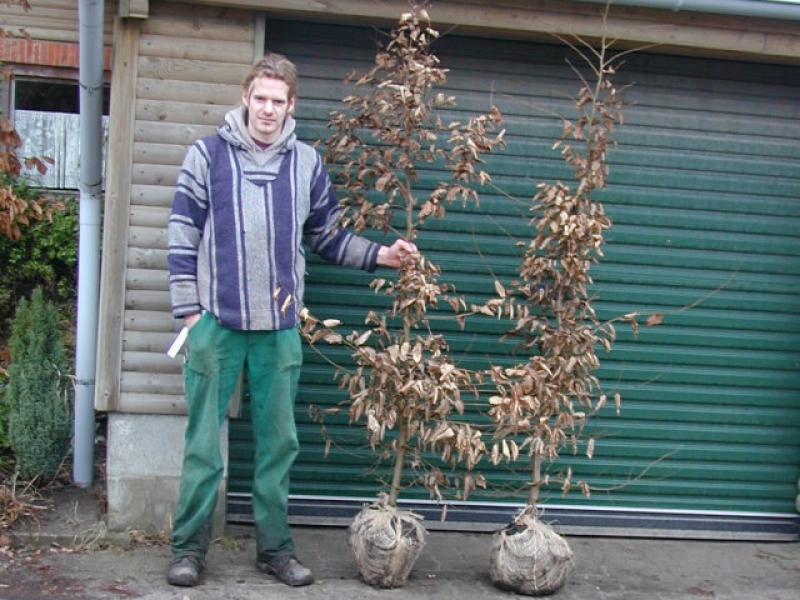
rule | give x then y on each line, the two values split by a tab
386	543
530	558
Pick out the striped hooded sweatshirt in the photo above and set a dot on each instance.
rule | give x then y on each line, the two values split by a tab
239	218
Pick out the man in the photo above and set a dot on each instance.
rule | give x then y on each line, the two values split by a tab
245	200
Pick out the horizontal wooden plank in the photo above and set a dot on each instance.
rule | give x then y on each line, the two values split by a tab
171	133
63	4
156	196
152	404
13	14
236	28
192	70
149	321
197	92
146	279
149	383
201	48
160	154
147	300
12	11
159	175
149	216
180	112
148	237
147	258
151	362
149	341
205	10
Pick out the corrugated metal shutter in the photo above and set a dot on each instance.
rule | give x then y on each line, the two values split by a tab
705	198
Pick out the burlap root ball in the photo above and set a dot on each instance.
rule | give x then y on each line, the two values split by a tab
530	558
386	543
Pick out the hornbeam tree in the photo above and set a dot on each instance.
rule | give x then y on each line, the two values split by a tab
406	388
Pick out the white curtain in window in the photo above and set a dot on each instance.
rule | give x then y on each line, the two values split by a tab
57	136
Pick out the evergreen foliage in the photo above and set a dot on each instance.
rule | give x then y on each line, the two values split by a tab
37	395
44	256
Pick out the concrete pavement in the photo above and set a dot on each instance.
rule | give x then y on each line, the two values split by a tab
452	566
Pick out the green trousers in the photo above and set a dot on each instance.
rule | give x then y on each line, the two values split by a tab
272	361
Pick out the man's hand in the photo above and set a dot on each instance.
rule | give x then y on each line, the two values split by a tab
392	256
190	320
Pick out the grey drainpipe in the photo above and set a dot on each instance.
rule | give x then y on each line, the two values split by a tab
769	9
91	185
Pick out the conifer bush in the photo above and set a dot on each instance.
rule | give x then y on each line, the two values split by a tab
38	395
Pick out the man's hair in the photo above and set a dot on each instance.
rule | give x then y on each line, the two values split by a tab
273	66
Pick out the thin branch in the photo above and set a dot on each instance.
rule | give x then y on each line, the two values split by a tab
578	52
617	56
579	74
506	194
640	476
531	105
328	360
587	45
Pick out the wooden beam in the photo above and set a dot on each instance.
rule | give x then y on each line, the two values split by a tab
694	33
134	9
259	36
115	226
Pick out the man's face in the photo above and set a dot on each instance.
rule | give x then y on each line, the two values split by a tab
268	104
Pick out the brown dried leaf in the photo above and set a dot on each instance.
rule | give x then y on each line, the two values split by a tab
363	338
654	320
286	303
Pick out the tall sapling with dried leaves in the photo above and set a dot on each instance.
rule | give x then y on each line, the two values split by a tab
540	406
405	387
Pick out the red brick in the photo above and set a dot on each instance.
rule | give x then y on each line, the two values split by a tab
50	54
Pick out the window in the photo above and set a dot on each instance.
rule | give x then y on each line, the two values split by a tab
46	116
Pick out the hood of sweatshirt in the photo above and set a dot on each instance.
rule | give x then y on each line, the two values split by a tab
234	131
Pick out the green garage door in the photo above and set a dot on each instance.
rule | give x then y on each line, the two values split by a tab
705	198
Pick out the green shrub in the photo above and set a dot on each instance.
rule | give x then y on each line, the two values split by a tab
38	393
45	256
5	449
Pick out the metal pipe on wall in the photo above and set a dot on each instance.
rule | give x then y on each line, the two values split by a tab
769	9
90	15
